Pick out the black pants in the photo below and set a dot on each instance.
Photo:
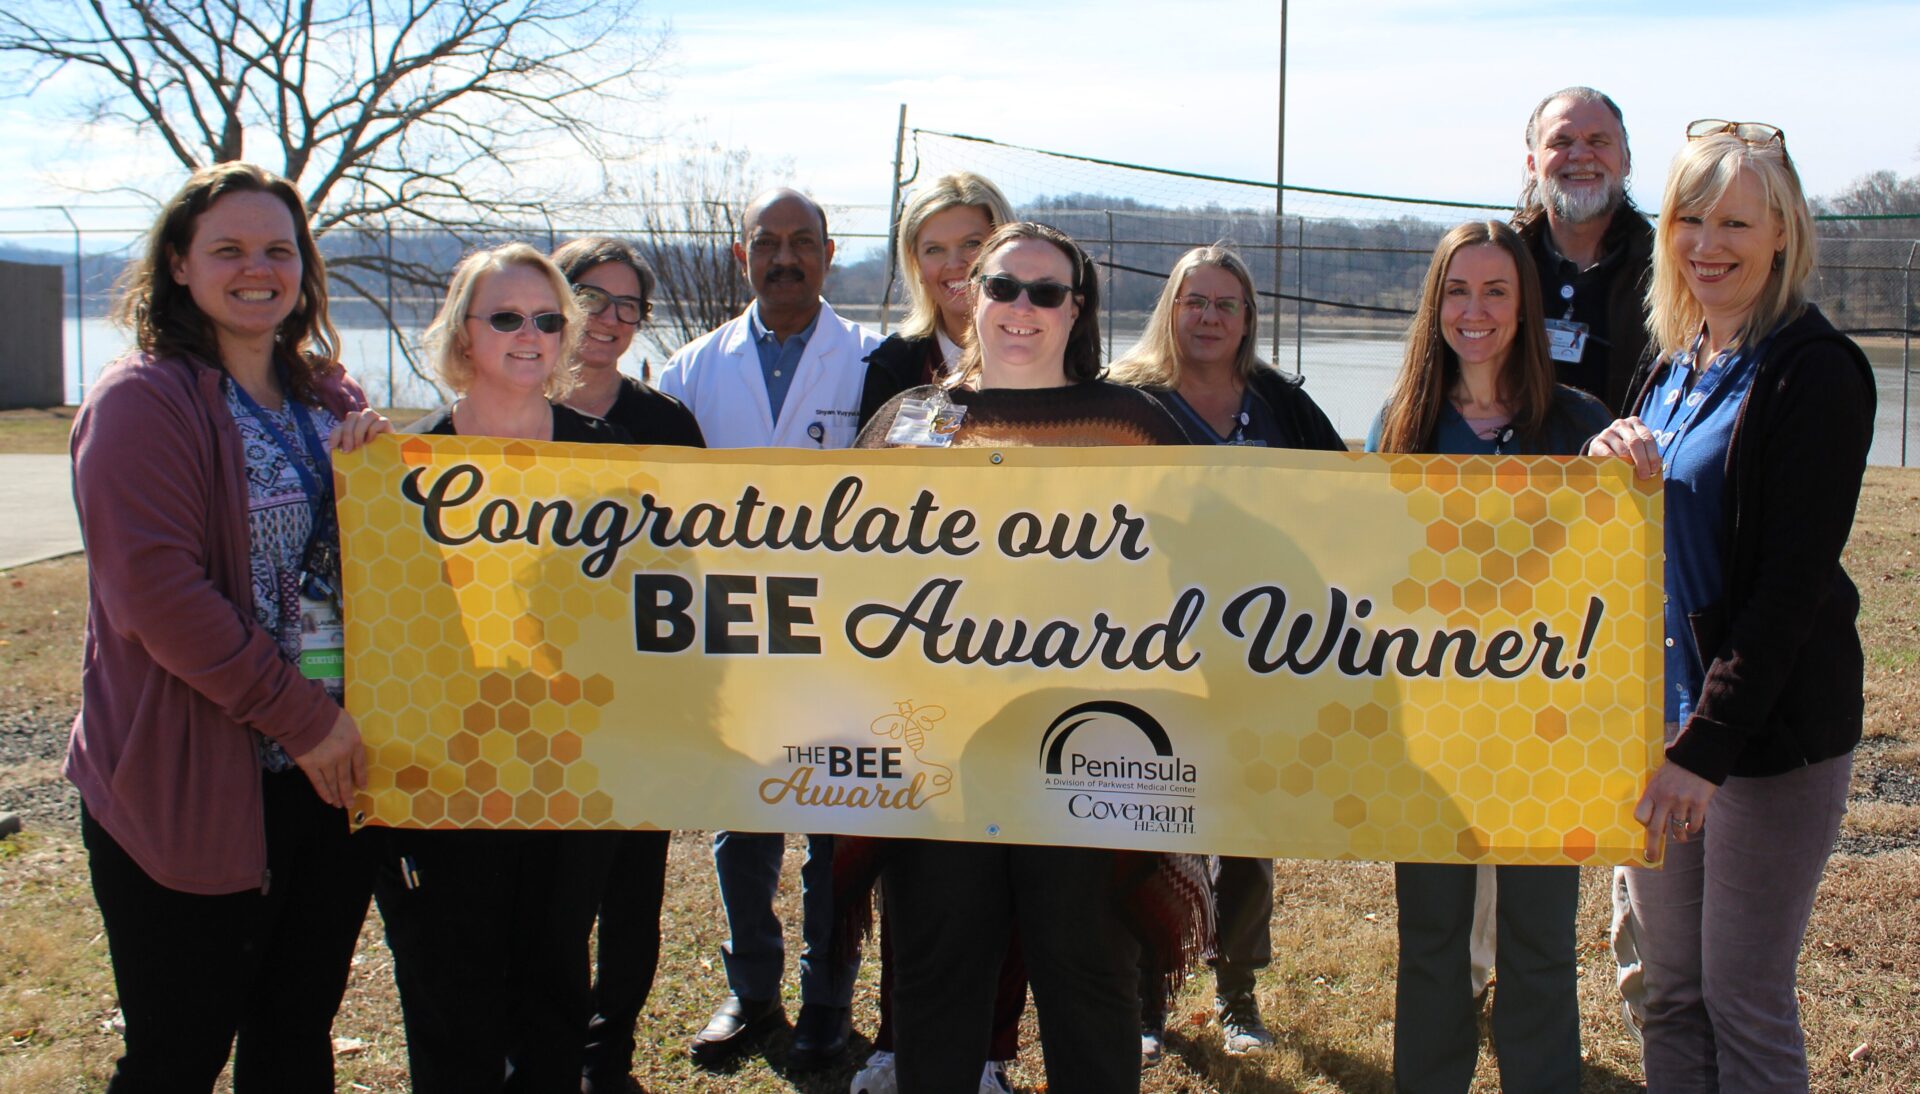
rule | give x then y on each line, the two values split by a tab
1536	1015
1243	944
633	873
952	907
489	932
195	972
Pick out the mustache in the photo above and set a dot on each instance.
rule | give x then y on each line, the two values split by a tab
784	273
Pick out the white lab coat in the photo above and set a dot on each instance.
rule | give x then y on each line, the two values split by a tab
718	376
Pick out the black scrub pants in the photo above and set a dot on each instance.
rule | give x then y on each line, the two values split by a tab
255	974
489	931
633	883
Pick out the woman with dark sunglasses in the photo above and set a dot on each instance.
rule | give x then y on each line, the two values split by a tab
614	287
1028	375
1758	414
626	871
489	928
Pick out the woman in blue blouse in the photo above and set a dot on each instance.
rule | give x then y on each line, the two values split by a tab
1758	414
1477	380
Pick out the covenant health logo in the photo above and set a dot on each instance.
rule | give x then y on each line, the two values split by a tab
1113	764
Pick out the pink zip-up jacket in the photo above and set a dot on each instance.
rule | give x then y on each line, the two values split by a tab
177	672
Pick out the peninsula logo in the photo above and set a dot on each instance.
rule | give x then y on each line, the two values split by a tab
1114	764
866	776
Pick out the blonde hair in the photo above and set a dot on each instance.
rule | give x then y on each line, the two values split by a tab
1155	362
446	337
1700	176
1430	368
945	192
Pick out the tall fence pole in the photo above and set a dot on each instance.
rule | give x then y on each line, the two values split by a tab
79	306
1906	348
1300	296
1113	281
893	215
1280	179
393	321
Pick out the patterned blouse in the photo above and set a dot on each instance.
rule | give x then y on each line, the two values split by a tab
279	520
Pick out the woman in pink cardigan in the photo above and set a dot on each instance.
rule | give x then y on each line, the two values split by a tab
211	751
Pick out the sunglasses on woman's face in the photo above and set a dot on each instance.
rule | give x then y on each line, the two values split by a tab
594	300
1005	289
507	322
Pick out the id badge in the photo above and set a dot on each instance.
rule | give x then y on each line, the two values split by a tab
1566	340
323	640
926	423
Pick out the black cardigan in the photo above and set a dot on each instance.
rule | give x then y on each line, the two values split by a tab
896	365
1302	423
1785	674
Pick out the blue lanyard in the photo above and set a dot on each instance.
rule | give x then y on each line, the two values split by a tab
318	498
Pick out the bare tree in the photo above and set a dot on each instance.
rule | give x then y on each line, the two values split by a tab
386	113
688	226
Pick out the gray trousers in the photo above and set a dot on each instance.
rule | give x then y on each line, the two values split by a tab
1719	932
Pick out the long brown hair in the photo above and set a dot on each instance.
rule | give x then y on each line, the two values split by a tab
1430	368
161	314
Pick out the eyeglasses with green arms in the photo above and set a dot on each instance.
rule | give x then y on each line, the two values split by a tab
1751	132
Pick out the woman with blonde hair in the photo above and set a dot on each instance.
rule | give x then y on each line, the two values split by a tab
489	927
940	232
1758	415
1477	379
1199	356
212	753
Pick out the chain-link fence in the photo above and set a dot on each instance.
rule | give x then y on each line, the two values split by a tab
1338	275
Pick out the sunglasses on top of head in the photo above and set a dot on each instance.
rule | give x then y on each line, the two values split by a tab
508	322
1755	133
1005	289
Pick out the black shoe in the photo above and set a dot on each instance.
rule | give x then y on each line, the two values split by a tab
737	1026
820	1036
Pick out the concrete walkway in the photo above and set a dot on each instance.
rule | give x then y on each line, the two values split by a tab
37	520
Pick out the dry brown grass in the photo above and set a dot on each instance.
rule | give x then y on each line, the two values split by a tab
36	430
1328	994
43	621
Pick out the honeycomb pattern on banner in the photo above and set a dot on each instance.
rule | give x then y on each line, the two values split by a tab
489	732
1507	542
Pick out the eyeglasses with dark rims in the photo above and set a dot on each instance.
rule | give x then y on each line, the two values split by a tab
594	300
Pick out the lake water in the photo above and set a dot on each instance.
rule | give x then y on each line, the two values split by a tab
1348	374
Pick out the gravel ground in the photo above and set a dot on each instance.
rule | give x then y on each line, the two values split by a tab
30	740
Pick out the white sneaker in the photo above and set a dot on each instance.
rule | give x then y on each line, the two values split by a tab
993	1079
878	1077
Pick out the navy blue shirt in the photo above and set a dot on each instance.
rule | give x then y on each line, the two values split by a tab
1575	417
778	360
1255	424
1692	416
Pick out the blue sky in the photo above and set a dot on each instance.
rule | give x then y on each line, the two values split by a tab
1388	96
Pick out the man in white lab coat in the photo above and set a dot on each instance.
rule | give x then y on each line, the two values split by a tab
785	373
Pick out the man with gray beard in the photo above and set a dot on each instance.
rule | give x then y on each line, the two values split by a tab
1592	248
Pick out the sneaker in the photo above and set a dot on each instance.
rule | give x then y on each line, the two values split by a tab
1151	1048
878	1077
1241	1029
993	1078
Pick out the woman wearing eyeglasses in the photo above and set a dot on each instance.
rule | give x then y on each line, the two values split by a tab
1028	375
614	287
1477	379
626	871
1758	415
211	752
1198	357
941	230
489	928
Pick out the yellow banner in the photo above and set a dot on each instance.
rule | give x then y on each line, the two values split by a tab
1228	650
